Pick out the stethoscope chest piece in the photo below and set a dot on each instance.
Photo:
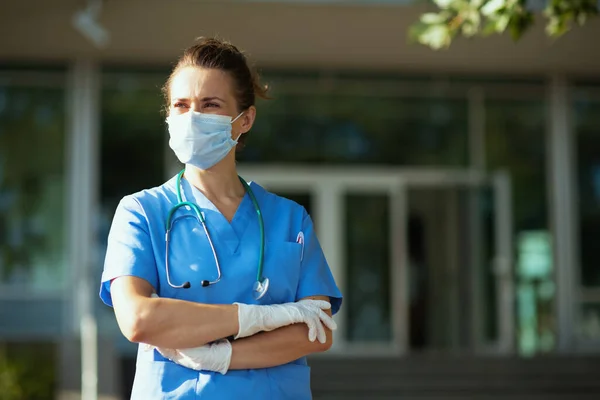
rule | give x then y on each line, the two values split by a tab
260	288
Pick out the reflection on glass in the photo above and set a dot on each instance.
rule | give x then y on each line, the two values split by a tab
368	266
535	292
335	128
32	176
452	292
133	135
515	137
587	126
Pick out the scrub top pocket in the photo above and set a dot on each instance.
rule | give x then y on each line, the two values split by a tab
282	267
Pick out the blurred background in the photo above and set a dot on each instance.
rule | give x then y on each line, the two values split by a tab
456	193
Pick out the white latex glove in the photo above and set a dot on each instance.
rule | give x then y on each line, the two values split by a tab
214	357
254	318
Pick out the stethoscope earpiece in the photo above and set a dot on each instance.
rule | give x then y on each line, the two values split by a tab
186	285
205	283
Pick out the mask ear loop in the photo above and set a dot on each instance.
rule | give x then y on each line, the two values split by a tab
235	119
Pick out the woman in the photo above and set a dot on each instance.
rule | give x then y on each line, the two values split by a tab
217	323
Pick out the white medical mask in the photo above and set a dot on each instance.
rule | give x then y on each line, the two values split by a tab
200	139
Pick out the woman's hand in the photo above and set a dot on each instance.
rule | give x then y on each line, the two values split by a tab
214	357
253	318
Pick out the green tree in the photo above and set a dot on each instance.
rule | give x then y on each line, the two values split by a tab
470	18
27	371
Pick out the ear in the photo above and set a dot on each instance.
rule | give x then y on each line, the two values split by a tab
247	120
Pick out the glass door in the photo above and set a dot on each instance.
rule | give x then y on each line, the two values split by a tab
452	248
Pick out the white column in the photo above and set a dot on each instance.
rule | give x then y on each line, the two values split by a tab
477	161
83	172
329	224
562	195
504	262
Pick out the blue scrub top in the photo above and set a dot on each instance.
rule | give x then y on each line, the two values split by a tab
136	247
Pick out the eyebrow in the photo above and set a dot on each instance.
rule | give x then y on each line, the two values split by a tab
203	99
213	98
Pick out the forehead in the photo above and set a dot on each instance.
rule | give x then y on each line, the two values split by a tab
196	82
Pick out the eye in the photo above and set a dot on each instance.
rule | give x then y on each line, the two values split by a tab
179	104
211	105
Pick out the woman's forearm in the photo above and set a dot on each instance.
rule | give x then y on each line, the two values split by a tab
181	324
169	323
270	349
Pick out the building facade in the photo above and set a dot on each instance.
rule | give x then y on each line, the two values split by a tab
455	193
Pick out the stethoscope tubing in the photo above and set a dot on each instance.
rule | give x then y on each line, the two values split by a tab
261	284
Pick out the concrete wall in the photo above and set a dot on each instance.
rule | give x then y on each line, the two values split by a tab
279	35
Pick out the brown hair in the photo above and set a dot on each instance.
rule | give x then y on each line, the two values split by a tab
213	53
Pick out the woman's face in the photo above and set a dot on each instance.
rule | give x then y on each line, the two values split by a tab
209	91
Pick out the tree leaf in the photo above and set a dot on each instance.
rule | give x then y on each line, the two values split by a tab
444	4
492	7
502	23
466	18
433	18
477	3
416	30
489	28
436	37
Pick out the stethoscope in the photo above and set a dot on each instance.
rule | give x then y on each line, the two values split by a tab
261	285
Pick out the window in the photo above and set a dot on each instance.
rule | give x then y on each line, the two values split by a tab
515	139
32	181
356	121
368	265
